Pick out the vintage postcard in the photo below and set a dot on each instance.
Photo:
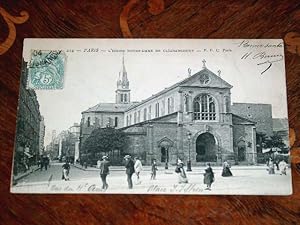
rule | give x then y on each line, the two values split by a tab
152	116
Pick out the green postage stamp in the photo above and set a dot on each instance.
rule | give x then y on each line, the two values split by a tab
46	69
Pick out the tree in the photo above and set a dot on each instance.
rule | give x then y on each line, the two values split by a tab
277	141
105	140
263	141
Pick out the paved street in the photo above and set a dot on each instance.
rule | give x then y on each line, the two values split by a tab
246	180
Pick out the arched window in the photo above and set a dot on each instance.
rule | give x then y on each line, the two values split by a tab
116	121
89	121
145	114
204	108
134	117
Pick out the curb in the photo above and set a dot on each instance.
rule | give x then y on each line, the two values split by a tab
14	180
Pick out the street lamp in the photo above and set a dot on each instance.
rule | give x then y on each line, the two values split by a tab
189	166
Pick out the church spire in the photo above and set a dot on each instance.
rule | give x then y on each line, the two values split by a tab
123	82
123	91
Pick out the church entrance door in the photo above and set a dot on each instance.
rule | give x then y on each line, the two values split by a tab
164	154
241	151
206	148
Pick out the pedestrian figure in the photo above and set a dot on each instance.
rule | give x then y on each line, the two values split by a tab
226	170
271	166
209	177
153	170
104	171
46	162
98	163
182	178
66	171
282	167
40	164
138	167
129	165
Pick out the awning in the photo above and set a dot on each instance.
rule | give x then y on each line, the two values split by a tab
275	149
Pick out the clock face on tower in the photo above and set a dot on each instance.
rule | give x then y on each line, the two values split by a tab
204	79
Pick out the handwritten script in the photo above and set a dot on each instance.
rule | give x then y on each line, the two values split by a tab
176	189
262	54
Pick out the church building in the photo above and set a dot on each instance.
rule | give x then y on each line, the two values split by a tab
191	120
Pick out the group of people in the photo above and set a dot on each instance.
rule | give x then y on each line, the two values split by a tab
209	176
281	166
44	162
208	179
135	167
132	166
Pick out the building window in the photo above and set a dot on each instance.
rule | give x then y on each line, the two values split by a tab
172	105
204	108
125	97
145	114
157	110
121	97
149	113
163	108
127	120
139	116
89	121
116	121
134	118
169	105
130	119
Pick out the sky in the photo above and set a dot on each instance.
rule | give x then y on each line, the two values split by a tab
92	70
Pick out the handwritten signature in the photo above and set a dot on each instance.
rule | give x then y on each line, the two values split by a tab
267	59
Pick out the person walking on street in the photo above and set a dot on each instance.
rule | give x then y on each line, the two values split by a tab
271	166
226	170
153	170
282	167
138	167
129	165
46	162
209	177
66	171
104	171
182	178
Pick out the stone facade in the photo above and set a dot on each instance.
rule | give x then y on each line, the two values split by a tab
260	113
42	136
191	120
27	143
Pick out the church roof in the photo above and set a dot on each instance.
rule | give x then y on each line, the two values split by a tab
109	107
221	84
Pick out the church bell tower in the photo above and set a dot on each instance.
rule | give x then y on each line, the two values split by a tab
123	91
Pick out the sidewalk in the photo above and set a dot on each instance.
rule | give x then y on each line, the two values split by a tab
24	174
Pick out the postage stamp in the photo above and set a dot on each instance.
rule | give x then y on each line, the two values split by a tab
46	69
